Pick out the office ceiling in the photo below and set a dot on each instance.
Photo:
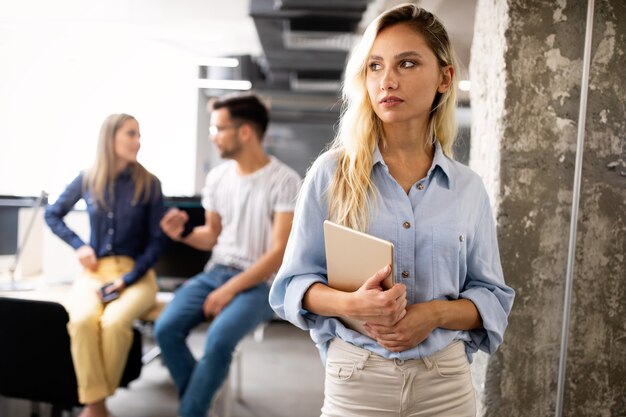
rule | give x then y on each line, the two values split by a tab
305	44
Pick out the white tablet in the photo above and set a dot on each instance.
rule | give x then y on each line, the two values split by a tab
353	257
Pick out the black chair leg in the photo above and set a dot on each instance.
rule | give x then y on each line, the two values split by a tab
35	409
57	411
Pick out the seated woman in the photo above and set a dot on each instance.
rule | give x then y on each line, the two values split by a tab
125	205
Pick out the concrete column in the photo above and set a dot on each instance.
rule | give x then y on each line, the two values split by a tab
526	74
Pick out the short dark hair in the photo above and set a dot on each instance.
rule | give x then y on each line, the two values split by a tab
247	107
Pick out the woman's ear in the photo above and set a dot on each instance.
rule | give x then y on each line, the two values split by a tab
447	74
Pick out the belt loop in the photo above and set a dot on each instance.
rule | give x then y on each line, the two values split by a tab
428	363
361	363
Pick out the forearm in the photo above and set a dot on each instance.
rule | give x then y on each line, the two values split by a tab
55	213
146	260
322	300
260	271
201	238
459	314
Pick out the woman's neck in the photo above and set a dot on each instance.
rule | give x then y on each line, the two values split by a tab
120	166
408	153
408	140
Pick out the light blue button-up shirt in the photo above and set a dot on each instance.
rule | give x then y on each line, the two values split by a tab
445	248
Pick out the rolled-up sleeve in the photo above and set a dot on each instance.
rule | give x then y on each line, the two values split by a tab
304	262
485	286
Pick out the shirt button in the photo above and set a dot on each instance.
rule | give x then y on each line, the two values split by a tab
110	214
110	231
109	247
420	186
461	238
406	225
405	274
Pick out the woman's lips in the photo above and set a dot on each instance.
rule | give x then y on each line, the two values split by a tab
390	101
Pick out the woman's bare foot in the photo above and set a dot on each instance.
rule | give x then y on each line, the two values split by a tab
97	409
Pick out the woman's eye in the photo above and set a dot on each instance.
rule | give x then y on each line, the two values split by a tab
374	66
407	64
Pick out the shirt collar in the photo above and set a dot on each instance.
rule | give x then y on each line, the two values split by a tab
439	160
125	174
443	162
377	157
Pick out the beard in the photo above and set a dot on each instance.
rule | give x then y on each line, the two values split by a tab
231	151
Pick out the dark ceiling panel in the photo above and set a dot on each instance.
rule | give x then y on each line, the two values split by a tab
306	39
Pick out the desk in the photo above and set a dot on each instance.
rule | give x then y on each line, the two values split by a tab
35	358
59	292
43	291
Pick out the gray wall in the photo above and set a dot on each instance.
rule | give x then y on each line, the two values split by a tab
526	76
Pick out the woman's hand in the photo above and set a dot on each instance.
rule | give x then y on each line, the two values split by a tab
118	285
87	257
418	323
173	223
372	304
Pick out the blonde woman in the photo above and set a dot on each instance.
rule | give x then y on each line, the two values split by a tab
125	205
390	173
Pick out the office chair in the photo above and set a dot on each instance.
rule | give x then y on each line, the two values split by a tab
35	358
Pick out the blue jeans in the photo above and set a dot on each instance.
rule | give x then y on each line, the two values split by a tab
198	381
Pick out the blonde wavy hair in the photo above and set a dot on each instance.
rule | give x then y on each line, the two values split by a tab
360	128
100	178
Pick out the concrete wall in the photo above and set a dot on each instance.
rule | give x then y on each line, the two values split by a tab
526	75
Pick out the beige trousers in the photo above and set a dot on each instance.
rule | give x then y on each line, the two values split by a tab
101	335
362	384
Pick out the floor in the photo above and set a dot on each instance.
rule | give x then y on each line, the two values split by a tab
274	373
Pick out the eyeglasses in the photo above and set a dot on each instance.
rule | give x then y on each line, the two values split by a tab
214	130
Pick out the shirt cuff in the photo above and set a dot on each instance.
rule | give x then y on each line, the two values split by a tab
294	311
489	338
77	243
130	278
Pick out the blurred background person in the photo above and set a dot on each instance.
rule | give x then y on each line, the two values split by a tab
125	204
249	202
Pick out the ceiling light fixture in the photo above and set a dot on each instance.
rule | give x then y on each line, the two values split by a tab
225	84
465	85
219	62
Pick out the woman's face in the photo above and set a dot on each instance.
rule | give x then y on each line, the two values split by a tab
126	143
403	75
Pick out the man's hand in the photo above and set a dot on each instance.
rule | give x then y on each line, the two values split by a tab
217	300
87	257
411	330
173	223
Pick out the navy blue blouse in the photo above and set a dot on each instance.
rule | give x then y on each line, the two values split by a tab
122	228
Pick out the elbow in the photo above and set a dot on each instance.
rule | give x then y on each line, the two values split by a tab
49	217
279	255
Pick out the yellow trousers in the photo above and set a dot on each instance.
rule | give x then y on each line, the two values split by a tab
101	334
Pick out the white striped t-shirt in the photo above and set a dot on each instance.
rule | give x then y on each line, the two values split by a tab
246	205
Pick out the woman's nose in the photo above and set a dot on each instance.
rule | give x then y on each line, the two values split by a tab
388	81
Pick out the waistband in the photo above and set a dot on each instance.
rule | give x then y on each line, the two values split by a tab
457	346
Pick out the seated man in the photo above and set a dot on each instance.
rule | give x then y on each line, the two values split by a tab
249	203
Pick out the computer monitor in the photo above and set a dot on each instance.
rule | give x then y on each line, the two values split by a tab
178	262
9	209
